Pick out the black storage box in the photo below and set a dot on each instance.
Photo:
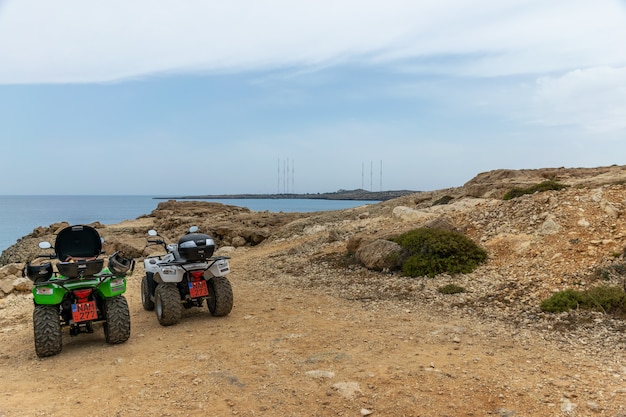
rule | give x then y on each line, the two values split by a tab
195	247
77	242
41	272
80	268
77	247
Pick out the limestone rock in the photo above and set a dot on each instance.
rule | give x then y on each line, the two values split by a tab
381	255
442	223
22	284
6	284
348	390
409	214
10	269
238	241
549	226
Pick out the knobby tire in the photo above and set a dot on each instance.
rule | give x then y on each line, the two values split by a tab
47	329
117	324
220	300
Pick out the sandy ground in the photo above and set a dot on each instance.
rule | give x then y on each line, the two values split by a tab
295	352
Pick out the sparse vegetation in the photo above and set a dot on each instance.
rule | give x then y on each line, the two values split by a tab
608	299
437	251
562	301
443	200
451	289
548	185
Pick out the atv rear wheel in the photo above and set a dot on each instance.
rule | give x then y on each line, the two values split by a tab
117	324
220	299
167	304
146	296
47	329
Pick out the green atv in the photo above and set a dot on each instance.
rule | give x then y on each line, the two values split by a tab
80	293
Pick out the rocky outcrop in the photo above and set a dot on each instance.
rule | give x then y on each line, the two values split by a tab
11	280
381	255
494	184
329	321
581	224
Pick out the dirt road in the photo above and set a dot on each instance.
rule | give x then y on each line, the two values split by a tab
287	351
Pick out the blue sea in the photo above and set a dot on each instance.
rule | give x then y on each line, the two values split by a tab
20	215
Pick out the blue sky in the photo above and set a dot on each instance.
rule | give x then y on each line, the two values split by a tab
205	97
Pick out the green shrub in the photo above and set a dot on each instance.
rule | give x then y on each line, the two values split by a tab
436	251
562	301
451	289
604	298
548	185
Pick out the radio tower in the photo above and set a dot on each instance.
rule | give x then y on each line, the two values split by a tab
284	183
362	175
381	175
278	176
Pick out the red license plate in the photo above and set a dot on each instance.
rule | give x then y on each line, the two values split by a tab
198	289
84	311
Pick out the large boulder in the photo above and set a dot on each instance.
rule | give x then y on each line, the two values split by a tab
381	255
22	284
6	284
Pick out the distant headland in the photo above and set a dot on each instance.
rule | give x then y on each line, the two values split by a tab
358	194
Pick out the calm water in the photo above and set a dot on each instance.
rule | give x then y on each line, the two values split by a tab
19	215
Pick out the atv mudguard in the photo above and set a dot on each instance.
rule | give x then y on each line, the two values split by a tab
51	294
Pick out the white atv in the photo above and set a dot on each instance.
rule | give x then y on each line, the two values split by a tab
184	277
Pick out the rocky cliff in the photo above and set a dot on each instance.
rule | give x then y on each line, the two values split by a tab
540	243
314	307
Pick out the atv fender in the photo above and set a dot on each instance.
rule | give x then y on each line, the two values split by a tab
220	267
48	294
169	273
112	287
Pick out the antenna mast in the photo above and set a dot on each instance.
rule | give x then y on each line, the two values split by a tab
278	176
362	175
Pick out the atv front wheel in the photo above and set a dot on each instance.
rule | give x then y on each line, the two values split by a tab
146	297
220	300
47	327
117	324
167	304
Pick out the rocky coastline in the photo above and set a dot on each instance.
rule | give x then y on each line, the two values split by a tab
357	195
314	329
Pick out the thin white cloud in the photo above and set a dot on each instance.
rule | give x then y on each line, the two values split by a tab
594	99
79	41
